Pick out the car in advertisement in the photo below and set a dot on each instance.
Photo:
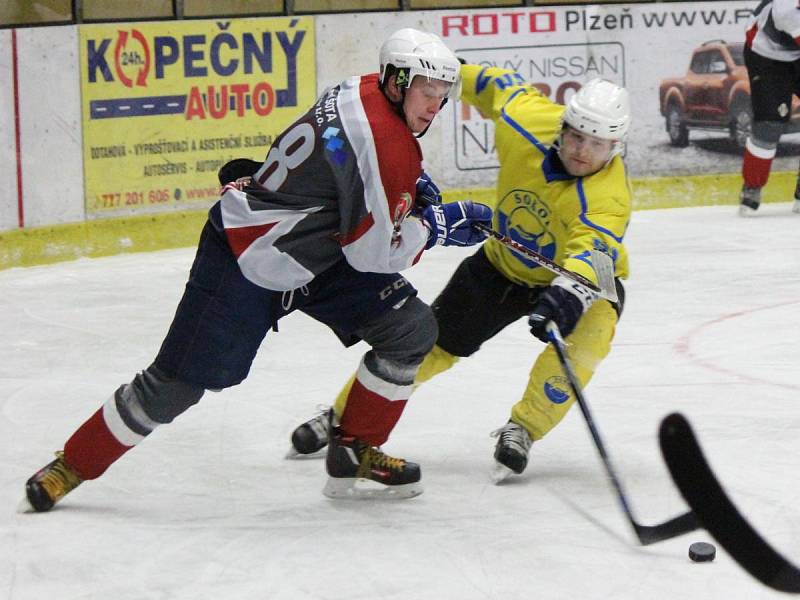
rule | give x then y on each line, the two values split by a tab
714	94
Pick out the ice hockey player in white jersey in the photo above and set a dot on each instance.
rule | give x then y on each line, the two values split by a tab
772	56
323	226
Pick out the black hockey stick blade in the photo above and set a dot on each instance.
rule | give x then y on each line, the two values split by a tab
717	514
646	534
677	526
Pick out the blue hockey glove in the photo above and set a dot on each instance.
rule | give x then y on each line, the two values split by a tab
427	192
564	302
451	224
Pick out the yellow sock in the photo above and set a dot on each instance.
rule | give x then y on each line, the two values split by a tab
437	361
341	399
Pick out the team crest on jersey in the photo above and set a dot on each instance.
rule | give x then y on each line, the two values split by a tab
525	218
401	210
556	389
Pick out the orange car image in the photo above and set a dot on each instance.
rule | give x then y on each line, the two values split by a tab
713	95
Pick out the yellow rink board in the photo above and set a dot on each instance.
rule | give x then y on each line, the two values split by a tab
106	237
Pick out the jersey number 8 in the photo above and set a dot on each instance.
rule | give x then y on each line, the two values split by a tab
289	153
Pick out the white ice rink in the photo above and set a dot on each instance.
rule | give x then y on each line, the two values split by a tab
208	509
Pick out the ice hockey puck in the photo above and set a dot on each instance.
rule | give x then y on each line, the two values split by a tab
702	552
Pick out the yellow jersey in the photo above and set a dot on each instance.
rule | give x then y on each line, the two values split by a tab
538	203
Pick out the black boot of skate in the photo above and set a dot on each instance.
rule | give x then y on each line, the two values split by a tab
310	437
511	450
49	485
749	200
358	470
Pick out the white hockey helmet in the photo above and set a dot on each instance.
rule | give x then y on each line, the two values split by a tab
421	53
601	109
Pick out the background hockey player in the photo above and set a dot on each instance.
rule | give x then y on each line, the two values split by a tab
562	190
772	56
323	226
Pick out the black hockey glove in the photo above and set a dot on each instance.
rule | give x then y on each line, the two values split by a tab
564	302
236	169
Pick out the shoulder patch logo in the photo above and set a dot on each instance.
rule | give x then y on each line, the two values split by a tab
334	145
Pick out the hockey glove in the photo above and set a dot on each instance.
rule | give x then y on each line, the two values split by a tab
427	192
564	302
451	224
236	169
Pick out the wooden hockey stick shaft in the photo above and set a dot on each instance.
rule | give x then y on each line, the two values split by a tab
608	292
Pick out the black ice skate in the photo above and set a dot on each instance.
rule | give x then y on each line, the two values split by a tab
511	450
49	485
357	470
310	437
749	200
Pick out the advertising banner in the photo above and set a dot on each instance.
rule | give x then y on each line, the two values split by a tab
164	105
647	48
684	123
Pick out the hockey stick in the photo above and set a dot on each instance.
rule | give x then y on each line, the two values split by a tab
703	492
647	534
601	262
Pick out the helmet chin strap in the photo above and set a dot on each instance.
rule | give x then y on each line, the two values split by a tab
397	105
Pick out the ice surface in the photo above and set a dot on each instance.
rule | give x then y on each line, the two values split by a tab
207	508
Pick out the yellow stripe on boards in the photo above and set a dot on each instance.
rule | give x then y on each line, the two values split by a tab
106	237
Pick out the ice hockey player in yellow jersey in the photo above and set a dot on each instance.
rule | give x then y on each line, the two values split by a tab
562	190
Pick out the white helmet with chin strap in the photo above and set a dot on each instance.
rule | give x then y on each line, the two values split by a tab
418	53
601	109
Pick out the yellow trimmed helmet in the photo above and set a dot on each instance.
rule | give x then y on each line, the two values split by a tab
418	53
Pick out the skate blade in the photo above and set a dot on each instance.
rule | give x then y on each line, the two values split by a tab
796	206
293	454
25	506
746	211
347	488
500	473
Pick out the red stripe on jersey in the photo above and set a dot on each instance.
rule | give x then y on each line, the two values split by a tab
240	238
398	153
750	34
360	230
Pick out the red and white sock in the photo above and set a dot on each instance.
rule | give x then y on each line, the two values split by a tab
373	407
756	164
99	442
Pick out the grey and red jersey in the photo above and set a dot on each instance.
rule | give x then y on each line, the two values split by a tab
340	181
774	30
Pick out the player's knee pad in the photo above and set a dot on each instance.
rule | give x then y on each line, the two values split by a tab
403	335
152	399
766	134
